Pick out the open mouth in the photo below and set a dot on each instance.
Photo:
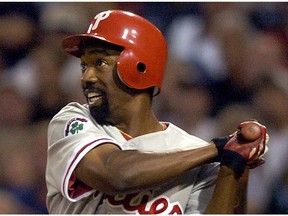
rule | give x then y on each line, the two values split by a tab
92	97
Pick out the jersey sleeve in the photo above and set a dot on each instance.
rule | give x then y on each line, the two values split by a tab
71	135
203	189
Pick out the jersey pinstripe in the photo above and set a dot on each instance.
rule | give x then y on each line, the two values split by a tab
72	133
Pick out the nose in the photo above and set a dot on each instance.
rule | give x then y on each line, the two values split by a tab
89	76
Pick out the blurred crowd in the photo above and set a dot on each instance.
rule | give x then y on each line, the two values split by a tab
228	62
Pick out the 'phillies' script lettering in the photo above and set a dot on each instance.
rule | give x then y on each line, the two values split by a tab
141	203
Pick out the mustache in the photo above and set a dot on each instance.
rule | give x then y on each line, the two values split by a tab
93	88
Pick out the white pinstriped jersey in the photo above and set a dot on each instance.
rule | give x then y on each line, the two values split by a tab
72	133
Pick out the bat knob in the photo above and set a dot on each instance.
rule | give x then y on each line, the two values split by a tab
249	132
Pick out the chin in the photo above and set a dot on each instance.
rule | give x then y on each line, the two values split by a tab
100	113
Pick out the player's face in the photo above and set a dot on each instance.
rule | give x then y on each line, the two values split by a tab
99	82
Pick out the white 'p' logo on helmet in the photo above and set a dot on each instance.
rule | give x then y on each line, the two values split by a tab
99	17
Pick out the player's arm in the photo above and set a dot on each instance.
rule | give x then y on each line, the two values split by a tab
230	193
241	204
225	193
110	170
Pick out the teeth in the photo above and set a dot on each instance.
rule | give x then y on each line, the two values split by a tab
93	96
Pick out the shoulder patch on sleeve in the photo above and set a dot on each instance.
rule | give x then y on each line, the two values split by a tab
77	125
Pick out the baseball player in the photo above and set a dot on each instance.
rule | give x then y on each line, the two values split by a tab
112	155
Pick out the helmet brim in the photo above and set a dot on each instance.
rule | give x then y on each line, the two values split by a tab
71	44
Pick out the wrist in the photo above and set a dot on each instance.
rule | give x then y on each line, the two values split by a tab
234	161
220	142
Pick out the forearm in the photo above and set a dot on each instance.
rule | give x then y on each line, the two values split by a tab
241	207
116	171
224	197
146	170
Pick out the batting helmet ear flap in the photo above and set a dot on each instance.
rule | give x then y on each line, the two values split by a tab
132	70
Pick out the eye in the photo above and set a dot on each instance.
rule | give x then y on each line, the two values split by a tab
101	62
83	67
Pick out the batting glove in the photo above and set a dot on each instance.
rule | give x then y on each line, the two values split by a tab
237	153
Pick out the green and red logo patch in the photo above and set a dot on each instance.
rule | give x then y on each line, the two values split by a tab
76	125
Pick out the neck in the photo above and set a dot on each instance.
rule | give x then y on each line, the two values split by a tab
140	125
137	118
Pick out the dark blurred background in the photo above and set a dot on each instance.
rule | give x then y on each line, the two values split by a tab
227	64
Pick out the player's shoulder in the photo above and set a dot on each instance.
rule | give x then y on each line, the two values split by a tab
179	135
72	119
73	108
73	111
177	130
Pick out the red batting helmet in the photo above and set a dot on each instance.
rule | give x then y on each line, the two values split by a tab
142	62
